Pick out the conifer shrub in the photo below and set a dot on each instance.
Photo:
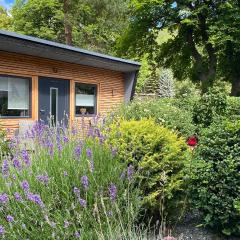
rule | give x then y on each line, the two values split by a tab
161	158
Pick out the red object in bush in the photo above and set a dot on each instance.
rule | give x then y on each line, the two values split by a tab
192	141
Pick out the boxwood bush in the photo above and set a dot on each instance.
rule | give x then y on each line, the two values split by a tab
160	156
216	177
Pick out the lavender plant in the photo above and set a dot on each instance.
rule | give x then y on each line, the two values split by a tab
70	187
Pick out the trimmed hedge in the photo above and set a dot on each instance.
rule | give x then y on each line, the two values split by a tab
216	177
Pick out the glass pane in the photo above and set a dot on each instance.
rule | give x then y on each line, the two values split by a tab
14	96
53	104
85	98
18	93
3	83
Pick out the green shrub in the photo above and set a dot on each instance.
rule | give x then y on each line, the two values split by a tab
233	108
163	111
161	157
210	105
216	178
185	89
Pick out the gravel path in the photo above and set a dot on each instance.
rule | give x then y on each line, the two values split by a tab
187	230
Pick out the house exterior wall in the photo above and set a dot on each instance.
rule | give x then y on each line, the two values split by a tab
110	83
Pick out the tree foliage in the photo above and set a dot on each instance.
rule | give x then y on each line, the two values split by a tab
5	19
192	51
42	19
91	24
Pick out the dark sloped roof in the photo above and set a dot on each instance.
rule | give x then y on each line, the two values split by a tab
17	43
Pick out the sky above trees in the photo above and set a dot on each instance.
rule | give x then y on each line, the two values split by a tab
6	3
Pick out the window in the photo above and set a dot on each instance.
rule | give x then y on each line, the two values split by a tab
54	105
85	99
14	96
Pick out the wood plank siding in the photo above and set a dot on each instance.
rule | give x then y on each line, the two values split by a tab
110	83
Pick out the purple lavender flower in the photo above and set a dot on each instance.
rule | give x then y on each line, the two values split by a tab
10	218
25	186
66	224
65	139
36	199
85	183
78	151
4	198
101	139
112	190
18	197
89	153
59	146
130	172
26	158
43	179
17	164
90	132
77	234
49	145
5	168
114	151
74	131
51	151
82	202
2	230
65	174
76	191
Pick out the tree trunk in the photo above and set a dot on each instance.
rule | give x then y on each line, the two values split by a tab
67	24
235	91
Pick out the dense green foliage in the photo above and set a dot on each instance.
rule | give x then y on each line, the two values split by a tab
225	35
163	111
161	157
43	19
5	19
204	42
216	179
94	24
211	104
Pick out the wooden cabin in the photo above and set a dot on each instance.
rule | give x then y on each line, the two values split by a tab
40	78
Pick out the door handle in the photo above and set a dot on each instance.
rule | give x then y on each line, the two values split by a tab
42	111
